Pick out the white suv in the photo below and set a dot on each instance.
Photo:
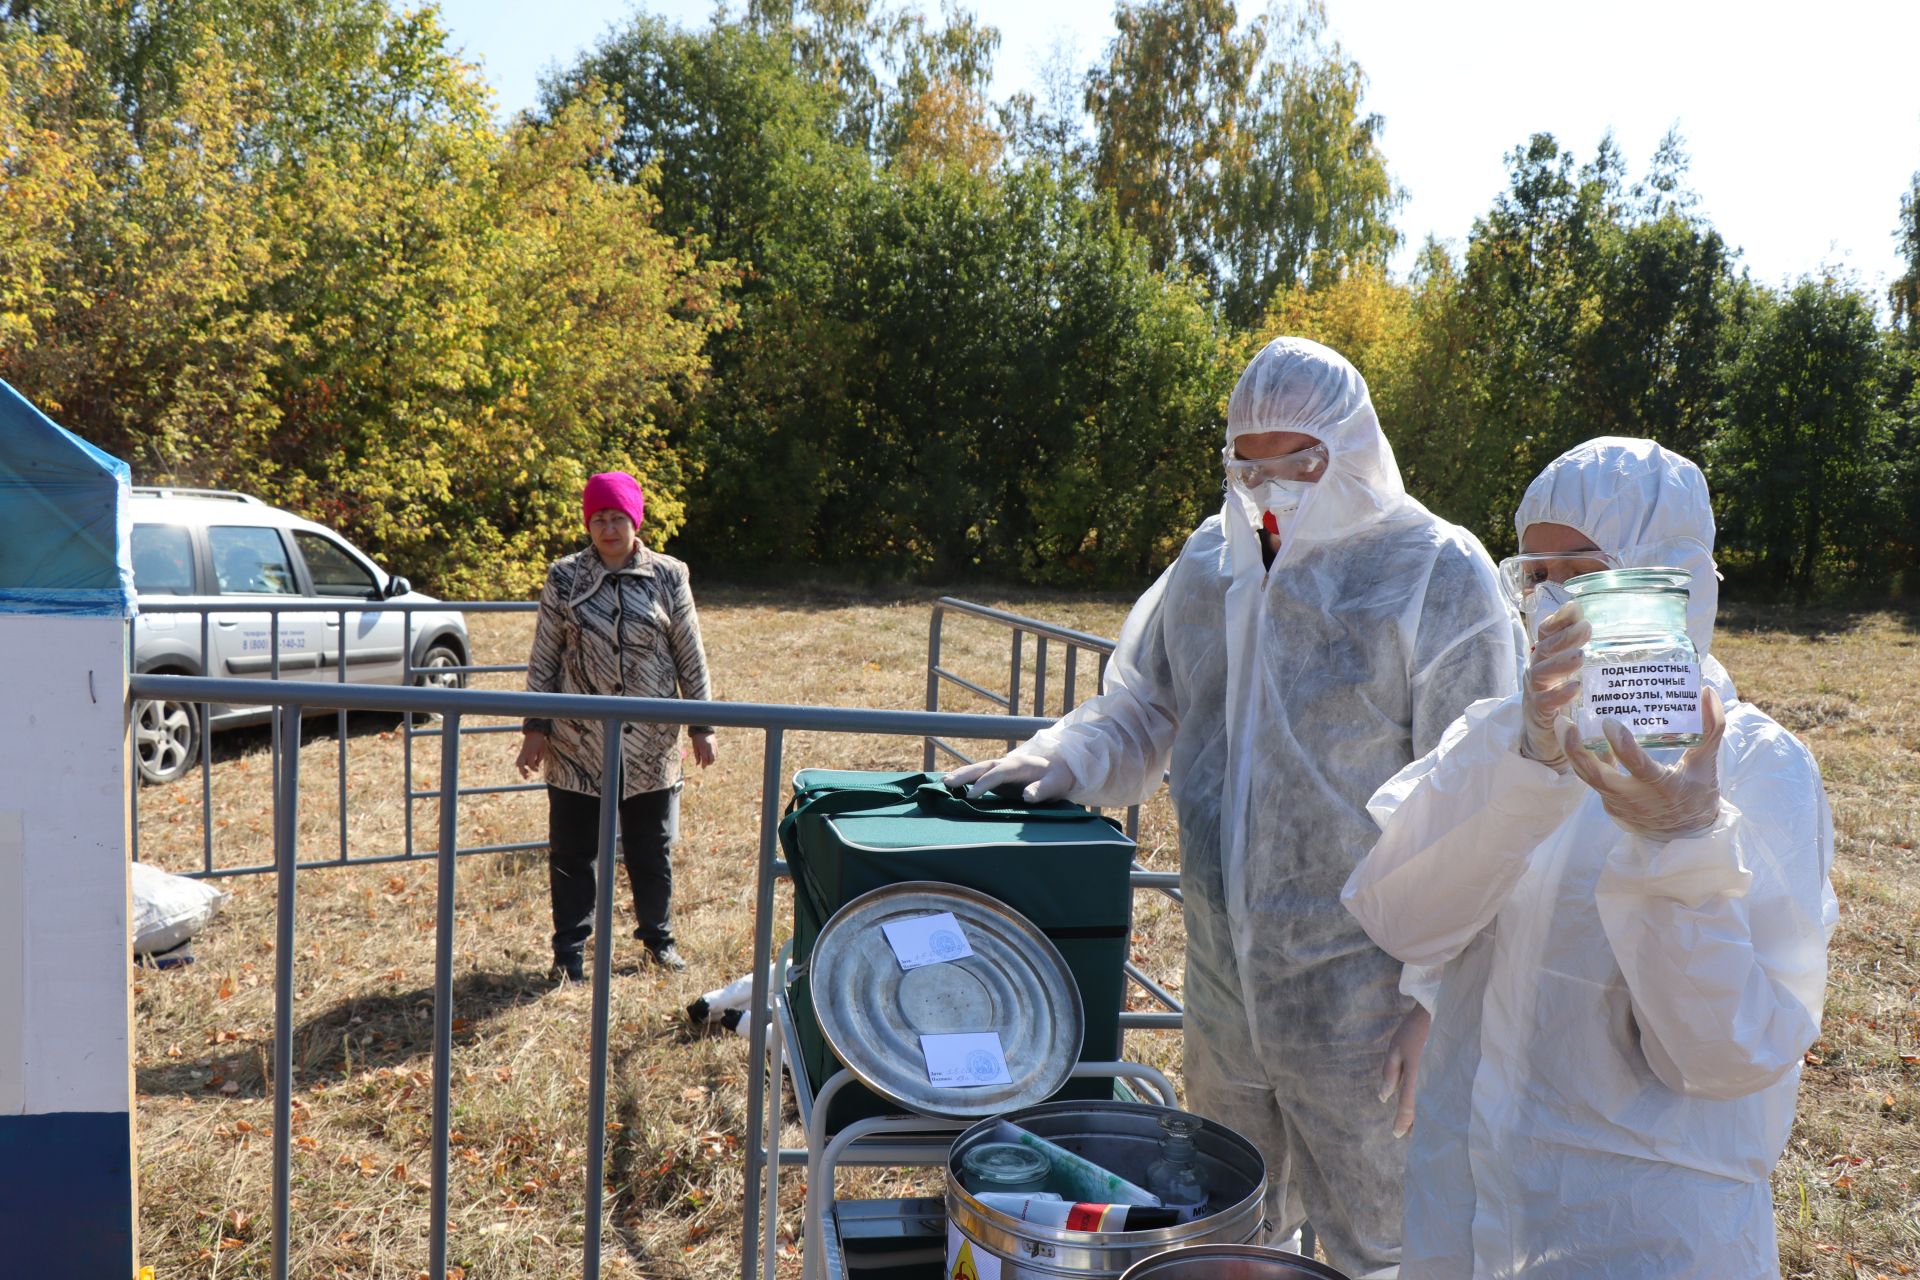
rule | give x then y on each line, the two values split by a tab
220	552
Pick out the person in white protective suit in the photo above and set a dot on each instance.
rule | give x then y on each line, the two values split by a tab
1630	964
1312	638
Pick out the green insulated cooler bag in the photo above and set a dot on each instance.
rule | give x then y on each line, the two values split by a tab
1060	865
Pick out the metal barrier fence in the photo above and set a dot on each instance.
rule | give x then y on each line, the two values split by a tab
1073	643
275	653
288	699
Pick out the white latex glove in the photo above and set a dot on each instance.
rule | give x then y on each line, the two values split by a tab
1552	682
1650	799
1402	1072
1044	778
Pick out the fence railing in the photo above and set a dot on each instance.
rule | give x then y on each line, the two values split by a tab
289	699
277	652
1019	628
1074	643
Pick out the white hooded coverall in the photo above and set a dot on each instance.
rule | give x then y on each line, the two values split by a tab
1281	698
1619	1023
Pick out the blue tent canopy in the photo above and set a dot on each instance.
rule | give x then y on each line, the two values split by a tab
64	518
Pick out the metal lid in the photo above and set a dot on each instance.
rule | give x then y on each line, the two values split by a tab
1015	983
1230	1262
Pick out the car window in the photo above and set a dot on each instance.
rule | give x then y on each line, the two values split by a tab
248	560
162	560
334	571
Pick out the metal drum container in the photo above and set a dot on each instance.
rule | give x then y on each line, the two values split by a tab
1123	1137
1231	1262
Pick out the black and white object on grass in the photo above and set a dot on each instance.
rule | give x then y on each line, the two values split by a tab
714	1005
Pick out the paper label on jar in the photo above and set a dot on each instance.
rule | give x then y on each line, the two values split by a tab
1648	697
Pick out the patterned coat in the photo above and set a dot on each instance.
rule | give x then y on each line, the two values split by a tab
630	631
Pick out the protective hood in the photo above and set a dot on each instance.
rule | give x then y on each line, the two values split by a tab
1640	503
1297	385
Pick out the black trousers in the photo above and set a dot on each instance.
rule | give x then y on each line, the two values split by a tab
649	824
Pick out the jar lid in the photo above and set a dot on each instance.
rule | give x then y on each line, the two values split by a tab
1005	1162
1655	578
1015	984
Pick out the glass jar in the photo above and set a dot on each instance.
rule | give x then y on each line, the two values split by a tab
1004	1166
1640	666
1175	1175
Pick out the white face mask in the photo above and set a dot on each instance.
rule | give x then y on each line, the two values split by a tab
1542	603
1281	497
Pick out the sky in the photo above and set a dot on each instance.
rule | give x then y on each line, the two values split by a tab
1801	120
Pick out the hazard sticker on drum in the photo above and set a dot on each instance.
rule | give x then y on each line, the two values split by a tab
968	1261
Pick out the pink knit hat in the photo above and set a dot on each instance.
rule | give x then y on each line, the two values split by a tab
616	490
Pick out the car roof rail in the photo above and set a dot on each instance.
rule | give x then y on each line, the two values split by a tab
171	491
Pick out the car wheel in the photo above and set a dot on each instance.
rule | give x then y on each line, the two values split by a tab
431	672
166	739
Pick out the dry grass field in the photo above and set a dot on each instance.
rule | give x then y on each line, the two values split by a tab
1848	1190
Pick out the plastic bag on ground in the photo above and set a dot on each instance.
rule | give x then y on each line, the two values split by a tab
169	909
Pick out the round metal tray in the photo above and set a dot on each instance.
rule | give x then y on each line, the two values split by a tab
873	1013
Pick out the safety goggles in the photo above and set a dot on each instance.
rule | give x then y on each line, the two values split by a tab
1520	574
1305	464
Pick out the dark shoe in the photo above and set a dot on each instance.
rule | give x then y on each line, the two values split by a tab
567	969
667	957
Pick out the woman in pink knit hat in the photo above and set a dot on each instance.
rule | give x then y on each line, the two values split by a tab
616	618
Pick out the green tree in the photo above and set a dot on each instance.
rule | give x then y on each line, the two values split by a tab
1800	464
1904	293
1904	387
1242	154
878	63
309	265
150	346
1582	308
49	152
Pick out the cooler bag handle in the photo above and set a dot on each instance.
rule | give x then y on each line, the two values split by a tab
839	799
935	799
